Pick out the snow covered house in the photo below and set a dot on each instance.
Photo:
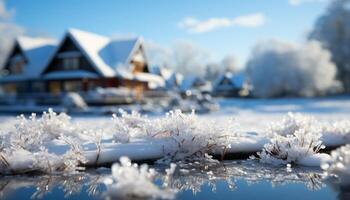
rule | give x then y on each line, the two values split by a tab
229	84
192	82
82	61
22	70
172	79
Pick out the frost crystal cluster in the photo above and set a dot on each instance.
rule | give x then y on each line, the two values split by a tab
190	138
339	163
296	138
131	181
25	149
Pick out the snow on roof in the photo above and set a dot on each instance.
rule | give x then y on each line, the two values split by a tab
188	82
166	73
118	52
155	80
69	75
28	43
237	80
91	44
155	70
104	53
37	51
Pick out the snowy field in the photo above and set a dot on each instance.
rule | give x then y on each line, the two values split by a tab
256	115
250	114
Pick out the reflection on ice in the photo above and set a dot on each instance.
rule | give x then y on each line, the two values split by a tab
187	177
192	178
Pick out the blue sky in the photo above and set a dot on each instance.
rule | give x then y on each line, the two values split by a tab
236	27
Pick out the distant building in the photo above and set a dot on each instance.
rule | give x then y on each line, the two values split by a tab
22	71
81	61
172	79
229	85
192	82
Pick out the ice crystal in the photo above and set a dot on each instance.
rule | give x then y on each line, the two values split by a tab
130	180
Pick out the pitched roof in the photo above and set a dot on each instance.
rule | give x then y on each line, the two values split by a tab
236	80
189	81
105	54
37	52
172	78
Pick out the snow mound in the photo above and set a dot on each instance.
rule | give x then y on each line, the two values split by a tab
131	181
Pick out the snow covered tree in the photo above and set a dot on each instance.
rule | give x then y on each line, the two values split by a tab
212	71
229	64
333	30
184	56
278	68
215	69
189	58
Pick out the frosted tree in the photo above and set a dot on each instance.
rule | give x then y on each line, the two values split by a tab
215	69
184	56
333	30
212	71
189	58
229	64
278	68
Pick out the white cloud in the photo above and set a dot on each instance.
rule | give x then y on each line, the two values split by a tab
299	2
8	31
4	13
194	25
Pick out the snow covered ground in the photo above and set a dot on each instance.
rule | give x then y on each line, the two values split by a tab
177	136
283	133
250	114
256	114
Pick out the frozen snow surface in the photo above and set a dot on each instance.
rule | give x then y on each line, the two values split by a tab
57	143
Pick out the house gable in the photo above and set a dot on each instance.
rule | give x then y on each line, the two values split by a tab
15	62
138	60
69	57
226	81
